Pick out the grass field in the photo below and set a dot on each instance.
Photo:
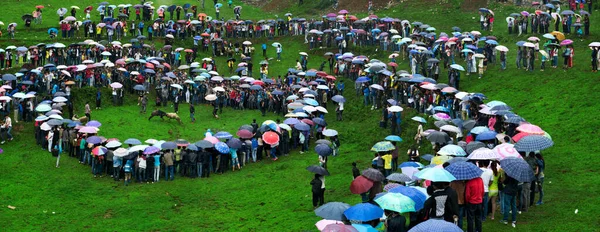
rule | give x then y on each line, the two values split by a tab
275	196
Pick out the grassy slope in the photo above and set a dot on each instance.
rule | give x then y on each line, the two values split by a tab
275	196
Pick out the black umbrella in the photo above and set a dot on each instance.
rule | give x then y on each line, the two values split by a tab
472	146
204	144
27	16
438	137
234	143
168	145
323	149
440	123
318	170
469	124
373	174
246	127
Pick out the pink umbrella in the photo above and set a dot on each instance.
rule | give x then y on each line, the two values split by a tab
70	18
331	15
531	129
566	42
323	223
441	116
212	139
343	12
101	24
89	130
116	85
506	150
120	62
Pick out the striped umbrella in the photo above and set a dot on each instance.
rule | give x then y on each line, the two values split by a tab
506	150
464	170
532	143
517	169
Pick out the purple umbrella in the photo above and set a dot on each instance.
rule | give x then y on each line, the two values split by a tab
302	126
87	129
94	140
93	123
343	12
151	150
234	143
291	121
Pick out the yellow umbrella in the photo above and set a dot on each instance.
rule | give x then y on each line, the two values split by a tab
440	159
559	35
76	7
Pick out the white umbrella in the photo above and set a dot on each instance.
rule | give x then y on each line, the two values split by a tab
177	86
211	97
395	109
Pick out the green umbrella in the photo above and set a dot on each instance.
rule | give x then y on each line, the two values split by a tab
383	146
43	108
396	202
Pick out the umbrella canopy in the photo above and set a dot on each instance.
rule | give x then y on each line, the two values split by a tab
517	169
438	137
531	143
222	148
393	138
506	150
396	202
435	225
270	138
318	170
399	177
453	150
132	141
330	132
435	174
339	227
373	174
332	211
383	146
464	170
168	145
483	154
323	150
360	185
472	146
363	212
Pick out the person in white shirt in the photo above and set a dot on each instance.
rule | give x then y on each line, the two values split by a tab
142	169
488	177
8	127
339	110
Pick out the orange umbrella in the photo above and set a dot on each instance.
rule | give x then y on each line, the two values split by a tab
559	35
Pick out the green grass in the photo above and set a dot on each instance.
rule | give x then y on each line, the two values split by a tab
275	196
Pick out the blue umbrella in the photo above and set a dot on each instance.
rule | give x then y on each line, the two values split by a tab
410	164
149	71
452	149
521	43
435	225
291	121
302	126
311	102
53	30
363	79
338	98
479	129
393	138
9	77
222	147
515	120
363	212
234	143
491	42
204	144
311	74
319	121
441	108
364	228
518	169
168	145
531	143
94	140
132	141
192	147
223	135
427	157
419	119
139	87
218	5
256	87
486	135
414	194
464	170
435	174
332	211
549	6
323	149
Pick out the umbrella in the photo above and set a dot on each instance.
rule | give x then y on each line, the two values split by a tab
332	210
486	135
419	119
383	146
517	169
452	149
132	141
330	132
222	147
244	134
464	170
363	212
472	146
414	194
396	202
270	138
373	174
318	170
88	130
483	154
339	227
121	152
438	137
531	143
323	150
99	151
234	143
399	177
151	150
506	150
393	138
435	174
360	185
113	144
93	123
338	99
223	135
435	225
204	144
530	129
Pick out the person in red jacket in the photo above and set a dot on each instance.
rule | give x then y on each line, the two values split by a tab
474	200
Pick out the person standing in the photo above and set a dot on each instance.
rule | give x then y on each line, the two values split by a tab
88	111
156	168
98	99
117	162
318	190
509	199
128	168
169	169
8	127
279	50
474	192
192	111
488	178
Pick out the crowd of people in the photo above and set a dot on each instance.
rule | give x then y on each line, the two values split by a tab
467	125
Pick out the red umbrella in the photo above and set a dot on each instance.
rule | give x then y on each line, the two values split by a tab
188	50
204	34
39	7
360	185
321	74
519	136
258	83
330	77
308	121
392	64
149	65
270	138
167	65
244	134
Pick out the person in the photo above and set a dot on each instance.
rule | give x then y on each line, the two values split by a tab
141	171
317	190
88	111
487	177
234	159
355	171
474	192
279	50
493	189
117	162
128	169
395	221
98	99
527	198
540	176
509	199
215	109
339	110
192	111
264	49
169	168
443	203
8	127
387	166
